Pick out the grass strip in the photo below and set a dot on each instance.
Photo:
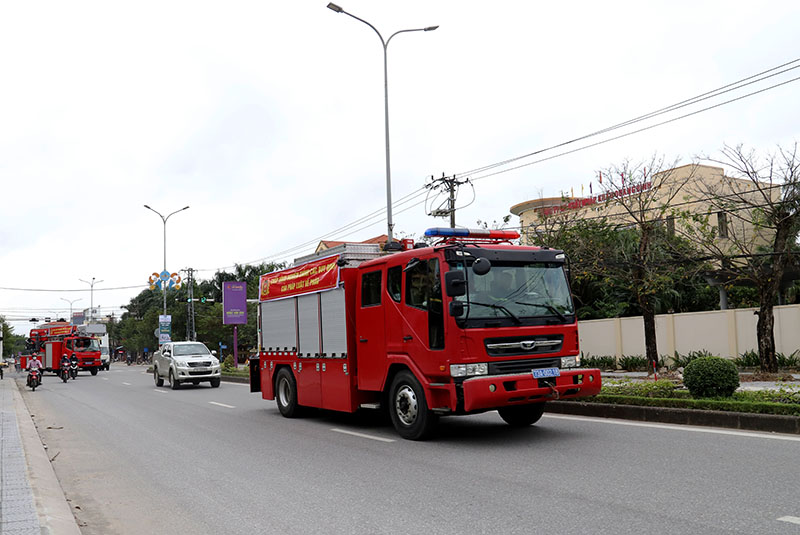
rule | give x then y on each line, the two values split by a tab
753	407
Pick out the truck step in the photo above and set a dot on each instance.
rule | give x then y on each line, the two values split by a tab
370	405
441	410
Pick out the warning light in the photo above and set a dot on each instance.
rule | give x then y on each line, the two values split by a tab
483	234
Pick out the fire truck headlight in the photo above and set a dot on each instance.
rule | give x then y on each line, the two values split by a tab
468	370
458	370
477	369
570	362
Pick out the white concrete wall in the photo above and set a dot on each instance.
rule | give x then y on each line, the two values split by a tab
727	333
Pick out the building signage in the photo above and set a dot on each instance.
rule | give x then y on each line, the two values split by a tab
316	276
234	303
588	201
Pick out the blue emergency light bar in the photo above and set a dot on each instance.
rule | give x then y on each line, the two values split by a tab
484	234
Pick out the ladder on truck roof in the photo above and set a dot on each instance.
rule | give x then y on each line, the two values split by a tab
353	253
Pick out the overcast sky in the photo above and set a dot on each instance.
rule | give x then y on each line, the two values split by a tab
266	118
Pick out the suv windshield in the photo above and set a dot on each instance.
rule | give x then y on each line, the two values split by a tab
190	349
517	290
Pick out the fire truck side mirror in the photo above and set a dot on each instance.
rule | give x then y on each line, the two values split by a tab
456	309
455	283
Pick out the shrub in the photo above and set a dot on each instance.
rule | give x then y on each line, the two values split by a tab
663	388
227	364
710	377
792	361
633	363
603	363
748	359
680	361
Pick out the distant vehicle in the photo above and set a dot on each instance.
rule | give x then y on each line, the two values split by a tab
105	354
185	362
51	340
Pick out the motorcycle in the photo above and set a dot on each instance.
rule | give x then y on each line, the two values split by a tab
73	369
63	372
34	378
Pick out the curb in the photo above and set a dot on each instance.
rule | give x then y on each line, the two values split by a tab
55	514
772	423
230	379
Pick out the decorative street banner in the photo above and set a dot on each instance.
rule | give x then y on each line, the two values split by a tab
234	303
164	329
322	274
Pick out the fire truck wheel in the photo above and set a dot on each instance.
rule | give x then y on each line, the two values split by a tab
409	409
158	379
94	371
173	383
286	393
522	415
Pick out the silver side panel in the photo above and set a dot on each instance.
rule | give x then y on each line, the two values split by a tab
308	320
334	326
278	325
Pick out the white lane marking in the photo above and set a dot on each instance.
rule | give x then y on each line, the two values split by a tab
105	378
362	435
689	428
222	405
792	519
161	391
127	384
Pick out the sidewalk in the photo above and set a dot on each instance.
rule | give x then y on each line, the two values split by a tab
31	498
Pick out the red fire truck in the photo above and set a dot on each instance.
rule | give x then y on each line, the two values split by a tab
50	341
470	324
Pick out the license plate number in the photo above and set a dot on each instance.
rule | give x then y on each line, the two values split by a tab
546	372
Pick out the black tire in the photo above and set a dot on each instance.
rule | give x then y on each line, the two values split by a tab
94	370
173	383
286	393
215	382
64	376
157	378
408	408
522	415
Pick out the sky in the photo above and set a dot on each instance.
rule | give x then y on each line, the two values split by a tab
266	118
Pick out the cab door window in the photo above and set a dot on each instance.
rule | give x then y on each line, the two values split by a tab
371	289
424	291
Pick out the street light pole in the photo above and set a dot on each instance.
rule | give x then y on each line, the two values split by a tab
91	296
385	43
70	306
164	219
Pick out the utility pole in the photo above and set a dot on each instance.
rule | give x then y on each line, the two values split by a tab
450	185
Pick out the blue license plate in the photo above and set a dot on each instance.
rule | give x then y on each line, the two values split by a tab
546	372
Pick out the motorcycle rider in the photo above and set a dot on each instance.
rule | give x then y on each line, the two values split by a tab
35	364
73	362
64	366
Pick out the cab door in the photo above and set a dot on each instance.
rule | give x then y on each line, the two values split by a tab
370	329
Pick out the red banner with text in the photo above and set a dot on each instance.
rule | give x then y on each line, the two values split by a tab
315	276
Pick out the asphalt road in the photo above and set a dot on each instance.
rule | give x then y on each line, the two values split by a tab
133	459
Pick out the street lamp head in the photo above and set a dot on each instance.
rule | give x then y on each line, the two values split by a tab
429	28
185	208
147	207
334	7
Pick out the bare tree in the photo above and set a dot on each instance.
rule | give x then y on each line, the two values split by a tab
751	228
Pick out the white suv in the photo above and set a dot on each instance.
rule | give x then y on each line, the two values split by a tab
185	362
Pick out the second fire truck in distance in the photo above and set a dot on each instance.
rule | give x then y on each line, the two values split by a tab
470	324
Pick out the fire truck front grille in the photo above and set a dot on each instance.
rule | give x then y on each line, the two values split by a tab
523	345
199	364
522	366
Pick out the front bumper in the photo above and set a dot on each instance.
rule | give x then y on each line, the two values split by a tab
495	391
198	374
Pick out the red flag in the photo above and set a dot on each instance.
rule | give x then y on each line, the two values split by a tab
622	176
601	176
590	188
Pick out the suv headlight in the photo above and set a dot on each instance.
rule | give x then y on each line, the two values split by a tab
468	370
180	363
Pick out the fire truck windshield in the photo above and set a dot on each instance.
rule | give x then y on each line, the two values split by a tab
515	291
86	344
